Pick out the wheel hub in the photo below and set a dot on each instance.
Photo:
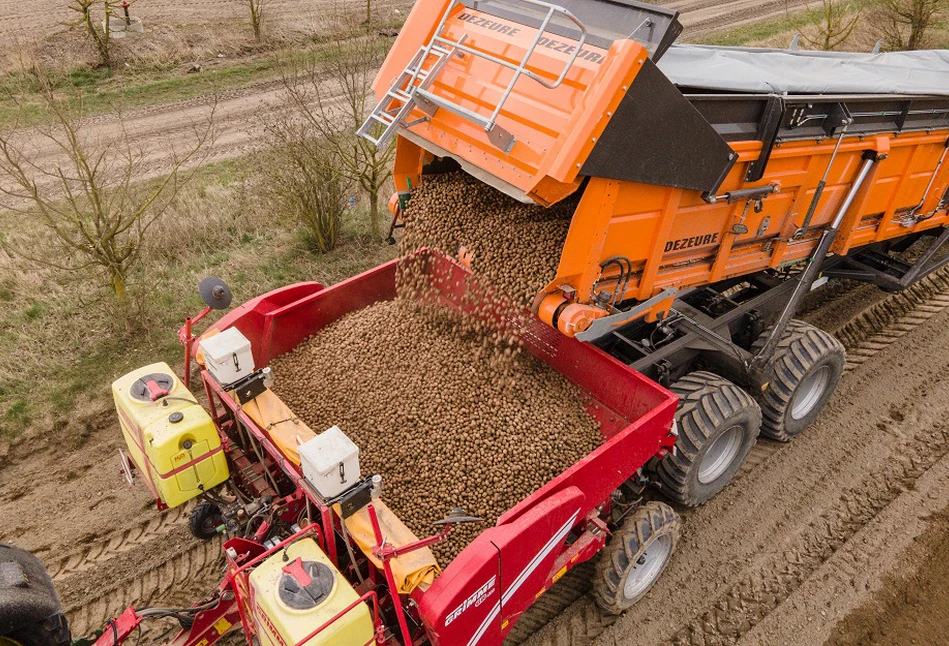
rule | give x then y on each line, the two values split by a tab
720	454
810	392
647	567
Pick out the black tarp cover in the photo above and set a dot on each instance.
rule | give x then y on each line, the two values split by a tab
746	70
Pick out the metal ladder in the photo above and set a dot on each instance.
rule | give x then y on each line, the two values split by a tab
400	99
410	90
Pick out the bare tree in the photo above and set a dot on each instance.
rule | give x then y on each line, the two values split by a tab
100	36
101	39
833	22
333	99
305	176
92	197
256	10
905	24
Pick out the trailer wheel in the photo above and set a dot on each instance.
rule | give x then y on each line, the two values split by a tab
204	521
718	424
800	379
635	557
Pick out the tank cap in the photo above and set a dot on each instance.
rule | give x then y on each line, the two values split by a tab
305	584
176	417
152	387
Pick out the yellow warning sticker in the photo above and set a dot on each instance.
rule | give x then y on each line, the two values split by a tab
563	571
222	626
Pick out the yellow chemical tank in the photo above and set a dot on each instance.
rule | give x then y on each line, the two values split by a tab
170	437
292	597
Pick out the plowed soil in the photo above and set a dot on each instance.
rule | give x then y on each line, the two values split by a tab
817	528
811	533
816	540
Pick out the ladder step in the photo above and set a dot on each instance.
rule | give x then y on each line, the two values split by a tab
416	72
382	117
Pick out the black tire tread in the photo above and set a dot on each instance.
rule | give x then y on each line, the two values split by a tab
650	520
52	632
800	348
706	400
199	515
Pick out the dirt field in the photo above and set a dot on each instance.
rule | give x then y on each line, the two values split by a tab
840	536
809	534
159	131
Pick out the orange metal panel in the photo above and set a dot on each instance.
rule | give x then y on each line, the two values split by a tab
555	129
674	239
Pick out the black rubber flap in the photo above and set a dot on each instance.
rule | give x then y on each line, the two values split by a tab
27	595
657	137
299	597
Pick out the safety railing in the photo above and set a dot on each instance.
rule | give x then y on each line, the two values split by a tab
416	79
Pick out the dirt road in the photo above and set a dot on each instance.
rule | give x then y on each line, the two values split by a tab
20	22
159	133
813	530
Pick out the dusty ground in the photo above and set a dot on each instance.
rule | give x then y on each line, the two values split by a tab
164	131
800	550
816	528
911	606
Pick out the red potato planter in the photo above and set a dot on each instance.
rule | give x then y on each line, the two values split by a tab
301	541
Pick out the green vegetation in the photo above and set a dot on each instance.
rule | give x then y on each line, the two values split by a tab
757	31
60	344
100	91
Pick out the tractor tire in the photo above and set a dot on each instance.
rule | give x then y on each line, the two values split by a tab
30	612
635	556
799	380
52	632
204	521
718	425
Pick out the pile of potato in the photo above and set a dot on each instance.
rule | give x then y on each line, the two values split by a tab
515	247
438	411
448	409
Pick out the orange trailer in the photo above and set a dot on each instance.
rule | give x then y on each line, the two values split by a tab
717	187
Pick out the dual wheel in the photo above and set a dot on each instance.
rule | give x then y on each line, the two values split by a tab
719	422
718	425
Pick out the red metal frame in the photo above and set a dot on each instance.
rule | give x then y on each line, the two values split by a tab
481	593
187	338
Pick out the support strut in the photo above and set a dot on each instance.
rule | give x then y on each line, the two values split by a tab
806	278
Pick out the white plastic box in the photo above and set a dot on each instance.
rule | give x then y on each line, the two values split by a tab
330	462
227	356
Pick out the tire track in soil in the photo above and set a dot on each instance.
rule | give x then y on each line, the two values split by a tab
174	581
577	621
751	599
113	545
183	579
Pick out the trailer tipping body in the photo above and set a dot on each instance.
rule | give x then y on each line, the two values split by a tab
687	179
